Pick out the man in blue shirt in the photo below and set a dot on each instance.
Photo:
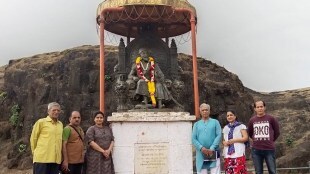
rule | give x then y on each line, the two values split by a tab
206	138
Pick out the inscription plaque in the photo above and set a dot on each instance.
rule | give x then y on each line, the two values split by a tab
151	158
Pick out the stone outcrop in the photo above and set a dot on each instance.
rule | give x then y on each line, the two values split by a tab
71	77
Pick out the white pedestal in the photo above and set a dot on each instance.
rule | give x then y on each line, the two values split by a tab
152	142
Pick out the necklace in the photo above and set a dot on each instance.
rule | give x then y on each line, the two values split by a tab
147	66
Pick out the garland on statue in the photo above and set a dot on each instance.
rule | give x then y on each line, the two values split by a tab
150	83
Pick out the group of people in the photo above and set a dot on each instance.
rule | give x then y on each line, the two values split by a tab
56	148
262	129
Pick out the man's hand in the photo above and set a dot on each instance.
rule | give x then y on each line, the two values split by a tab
204	151
207	152
64	165
135	78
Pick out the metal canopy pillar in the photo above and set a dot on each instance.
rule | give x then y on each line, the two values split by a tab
194	54
101	62
195	71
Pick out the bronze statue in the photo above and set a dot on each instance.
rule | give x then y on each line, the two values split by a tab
149	79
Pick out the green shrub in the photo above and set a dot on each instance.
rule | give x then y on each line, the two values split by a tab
14	119
3	95
289	141
108	78
22	147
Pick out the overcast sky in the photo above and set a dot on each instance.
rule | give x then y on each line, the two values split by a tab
265	42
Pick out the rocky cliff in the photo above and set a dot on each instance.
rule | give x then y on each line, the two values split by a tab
71	78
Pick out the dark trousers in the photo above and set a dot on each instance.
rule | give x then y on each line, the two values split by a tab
45	168
75	168
258	158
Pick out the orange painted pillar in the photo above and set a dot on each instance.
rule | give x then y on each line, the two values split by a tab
101	63
194	53
195	72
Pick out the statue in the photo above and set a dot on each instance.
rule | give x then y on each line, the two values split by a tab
141	82
149	79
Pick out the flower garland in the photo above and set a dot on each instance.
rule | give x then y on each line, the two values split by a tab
150	83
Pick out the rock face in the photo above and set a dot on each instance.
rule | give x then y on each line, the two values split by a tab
292	109
71	78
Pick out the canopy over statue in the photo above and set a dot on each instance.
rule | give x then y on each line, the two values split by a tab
127	23
148	21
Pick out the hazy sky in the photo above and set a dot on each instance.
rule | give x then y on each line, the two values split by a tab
265	42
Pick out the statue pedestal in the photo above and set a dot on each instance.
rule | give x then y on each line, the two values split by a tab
152	142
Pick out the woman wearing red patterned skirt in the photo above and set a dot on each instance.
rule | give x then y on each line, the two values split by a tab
235	135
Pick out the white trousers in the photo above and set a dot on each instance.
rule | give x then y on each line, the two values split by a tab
214	170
